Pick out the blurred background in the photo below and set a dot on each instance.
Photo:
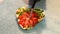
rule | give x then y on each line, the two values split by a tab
50	24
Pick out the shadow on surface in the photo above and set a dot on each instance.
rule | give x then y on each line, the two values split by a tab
31	2
39	4
38	28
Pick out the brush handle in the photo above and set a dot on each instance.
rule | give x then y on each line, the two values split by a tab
32	8
34	4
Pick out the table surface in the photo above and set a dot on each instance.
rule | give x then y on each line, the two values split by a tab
50	24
